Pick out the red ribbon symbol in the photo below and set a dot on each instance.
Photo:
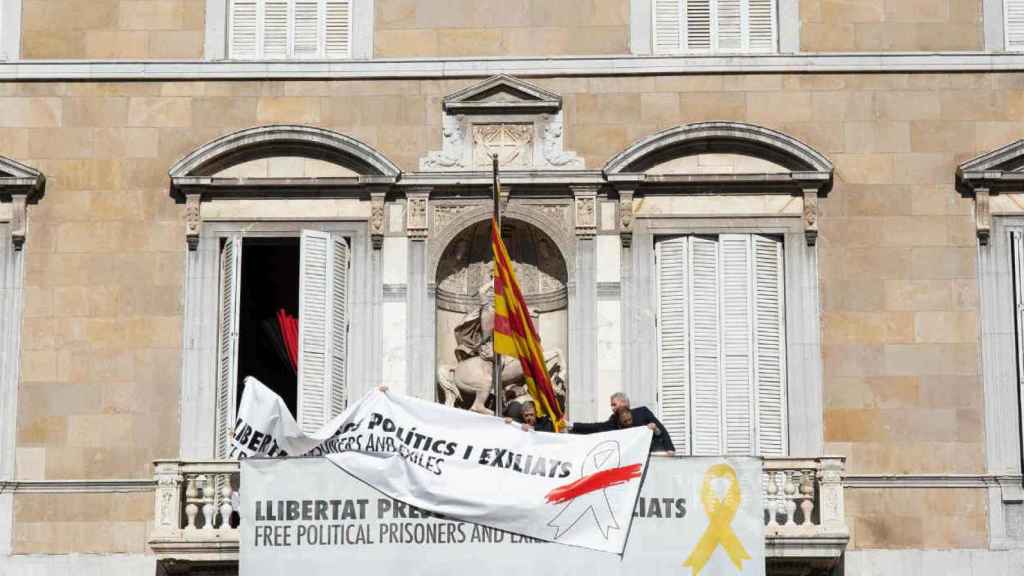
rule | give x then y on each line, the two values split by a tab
600	470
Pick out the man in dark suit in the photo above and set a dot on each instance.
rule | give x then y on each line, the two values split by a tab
639	416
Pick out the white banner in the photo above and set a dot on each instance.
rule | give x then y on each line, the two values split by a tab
570	489
302	516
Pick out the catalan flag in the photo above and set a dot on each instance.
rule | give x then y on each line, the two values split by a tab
514	334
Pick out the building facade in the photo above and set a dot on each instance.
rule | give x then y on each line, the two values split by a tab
793	228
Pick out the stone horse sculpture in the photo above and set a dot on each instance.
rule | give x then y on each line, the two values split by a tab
472	374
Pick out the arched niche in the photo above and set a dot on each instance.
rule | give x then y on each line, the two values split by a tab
462	281
553	228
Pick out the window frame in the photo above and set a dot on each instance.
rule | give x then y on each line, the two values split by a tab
218	34
641	30
804	417
1001	377
201	330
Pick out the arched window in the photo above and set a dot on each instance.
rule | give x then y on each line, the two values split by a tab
722	221
280	222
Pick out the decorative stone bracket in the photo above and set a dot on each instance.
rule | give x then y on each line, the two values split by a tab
811	215
416	219
21	186
586	210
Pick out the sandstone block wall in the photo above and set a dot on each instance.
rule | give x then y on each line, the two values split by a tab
112	29
420	28
897	256
890	25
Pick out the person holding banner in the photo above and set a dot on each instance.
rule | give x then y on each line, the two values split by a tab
526	415
639	416
661	441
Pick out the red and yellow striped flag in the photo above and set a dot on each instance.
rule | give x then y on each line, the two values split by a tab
514	334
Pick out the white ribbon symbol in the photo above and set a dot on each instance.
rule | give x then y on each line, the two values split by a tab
594	502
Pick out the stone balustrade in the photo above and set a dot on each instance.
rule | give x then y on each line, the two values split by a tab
196	516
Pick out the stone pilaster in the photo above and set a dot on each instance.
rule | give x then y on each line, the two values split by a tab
583	309
419	302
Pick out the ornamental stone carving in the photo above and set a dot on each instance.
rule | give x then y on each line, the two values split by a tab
520	122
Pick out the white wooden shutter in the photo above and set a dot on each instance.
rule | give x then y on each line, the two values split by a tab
673	339
698	25
275	29
243	33
306	29
323	328
705	349
737	333
1013	18
770	346
313	329
728	25
338	29
668	19
761	25
227	344
339	326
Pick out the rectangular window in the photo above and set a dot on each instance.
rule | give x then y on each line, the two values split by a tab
290	29
721	343
713	26
263	281
1013	24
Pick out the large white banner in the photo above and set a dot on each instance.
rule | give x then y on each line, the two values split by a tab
577	490
694	516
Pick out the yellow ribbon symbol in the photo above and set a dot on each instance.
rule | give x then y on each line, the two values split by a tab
720	513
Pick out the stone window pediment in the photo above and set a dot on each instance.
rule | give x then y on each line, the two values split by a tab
19	186
996	182
523	124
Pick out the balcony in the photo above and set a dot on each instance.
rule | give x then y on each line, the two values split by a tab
196	516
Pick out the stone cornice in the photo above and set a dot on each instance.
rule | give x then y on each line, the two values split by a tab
523	67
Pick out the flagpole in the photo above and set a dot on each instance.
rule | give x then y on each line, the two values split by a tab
499	394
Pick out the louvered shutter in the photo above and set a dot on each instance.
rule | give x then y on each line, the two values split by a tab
705	350
668	19
770	346
339	326
313	329
737	355
1013	12
306	28
761	25
323	328
698	25
243	40
673	340
275	29
227	344
338	29
728	25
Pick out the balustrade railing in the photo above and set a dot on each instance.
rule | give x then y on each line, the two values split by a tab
197	513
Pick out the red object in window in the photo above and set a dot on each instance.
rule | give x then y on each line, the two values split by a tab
289	327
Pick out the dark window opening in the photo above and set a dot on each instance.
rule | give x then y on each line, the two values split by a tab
270	283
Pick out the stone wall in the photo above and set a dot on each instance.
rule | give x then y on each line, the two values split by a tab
897	256
890	25
101	29
421	28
